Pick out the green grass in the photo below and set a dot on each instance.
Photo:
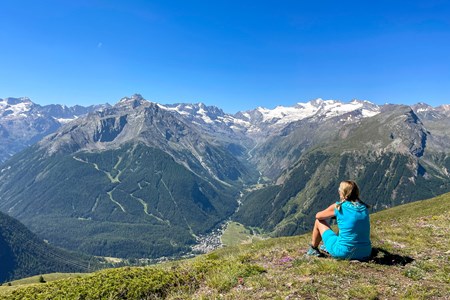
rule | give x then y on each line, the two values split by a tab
8	287
47	277
412	262
236	234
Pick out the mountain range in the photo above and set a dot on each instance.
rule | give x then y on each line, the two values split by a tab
23	123
142	179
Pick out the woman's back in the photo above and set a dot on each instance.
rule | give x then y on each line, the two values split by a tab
353	223
353	241
354	231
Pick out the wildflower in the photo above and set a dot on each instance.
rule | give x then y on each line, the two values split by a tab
241	281
286	259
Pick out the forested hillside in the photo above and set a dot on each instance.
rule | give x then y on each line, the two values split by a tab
134	201
23	254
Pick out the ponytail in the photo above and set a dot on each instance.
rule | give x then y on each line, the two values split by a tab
350	192
338	205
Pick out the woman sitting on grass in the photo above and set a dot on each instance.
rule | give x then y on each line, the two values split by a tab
353	241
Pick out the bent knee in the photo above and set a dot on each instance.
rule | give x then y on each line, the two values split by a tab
322	225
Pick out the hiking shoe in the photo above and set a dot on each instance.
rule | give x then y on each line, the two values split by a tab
324	249
313	251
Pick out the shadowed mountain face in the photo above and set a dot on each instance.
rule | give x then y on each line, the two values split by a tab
23	254
141	179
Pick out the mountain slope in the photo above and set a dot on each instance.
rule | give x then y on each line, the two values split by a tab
23	254
137	120
410	261
136	179
134	201
386	154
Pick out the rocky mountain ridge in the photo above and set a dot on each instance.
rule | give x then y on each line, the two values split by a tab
23	123
262	121
137	120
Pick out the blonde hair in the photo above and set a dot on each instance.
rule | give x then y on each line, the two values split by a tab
349	191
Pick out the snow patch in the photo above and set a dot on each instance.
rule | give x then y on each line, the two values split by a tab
5	169
65	120
16	110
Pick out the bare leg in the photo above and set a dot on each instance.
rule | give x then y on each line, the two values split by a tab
320	226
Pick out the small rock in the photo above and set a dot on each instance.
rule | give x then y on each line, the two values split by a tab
307	279
354	261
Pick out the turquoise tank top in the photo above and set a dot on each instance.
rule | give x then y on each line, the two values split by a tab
354	226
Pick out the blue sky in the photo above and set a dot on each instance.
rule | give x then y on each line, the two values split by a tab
233	54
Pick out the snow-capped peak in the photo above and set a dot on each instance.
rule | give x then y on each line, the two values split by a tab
134	97
445	107
317	102
198	111
15	107
318	107
15	101
422	107
132	102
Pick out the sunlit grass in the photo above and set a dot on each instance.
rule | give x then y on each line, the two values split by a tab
236	234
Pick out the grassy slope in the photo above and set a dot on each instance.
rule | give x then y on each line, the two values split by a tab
236	234
413	262
47	277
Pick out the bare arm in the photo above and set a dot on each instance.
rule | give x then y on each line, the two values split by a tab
326	213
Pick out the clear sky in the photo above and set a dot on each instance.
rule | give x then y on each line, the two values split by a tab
233	54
